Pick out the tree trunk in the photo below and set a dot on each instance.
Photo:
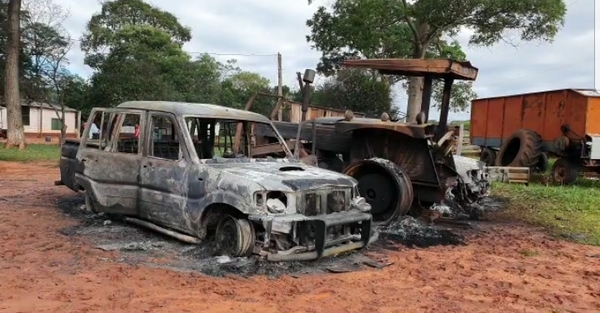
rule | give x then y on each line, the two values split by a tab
15	133
415	97
415	84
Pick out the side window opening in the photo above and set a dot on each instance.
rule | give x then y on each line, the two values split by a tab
127	140
164	143
216	138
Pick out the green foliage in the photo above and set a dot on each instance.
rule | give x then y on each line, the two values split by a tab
424	29
34	153
356	90
570	212
105	29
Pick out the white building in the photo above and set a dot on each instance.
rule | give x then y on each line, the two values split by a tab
40	120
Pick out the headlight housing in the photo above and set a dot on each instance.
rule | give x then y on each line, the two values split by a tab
275	202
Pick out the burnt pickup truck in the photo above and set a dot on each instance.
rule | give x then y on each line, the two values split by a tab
195	172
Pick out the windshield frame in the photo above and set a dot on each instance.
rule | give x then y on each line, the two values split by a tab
281	141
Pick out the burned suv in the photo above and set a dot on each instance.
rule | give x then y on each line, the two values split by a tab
197	172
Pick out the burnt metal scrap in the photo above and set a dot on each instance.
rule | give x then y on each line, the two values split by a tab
401	168
254	197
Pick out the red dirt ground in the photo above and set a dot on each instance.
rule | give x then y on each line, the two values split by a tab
44	271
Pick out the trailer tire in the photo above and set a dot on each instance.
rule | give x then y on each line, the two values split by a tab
385	186
564	172
488	156
522	149
542	164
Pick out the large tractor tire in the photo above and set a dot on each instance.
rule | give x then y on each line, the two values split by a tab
522	149
385	187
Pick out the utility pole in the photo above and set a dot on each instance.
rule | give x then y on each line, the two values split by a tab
279	87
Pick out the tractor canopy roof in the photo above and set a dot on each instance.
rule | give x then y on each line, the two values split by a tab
436	68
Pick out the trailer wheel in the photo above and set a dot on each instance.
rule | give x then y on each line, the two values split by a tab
488	156
385	187
542	164
522	149
235	237
564	172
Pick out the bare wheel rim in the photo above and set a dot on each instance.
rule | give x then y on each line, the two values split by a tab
377	188
560	173
227	236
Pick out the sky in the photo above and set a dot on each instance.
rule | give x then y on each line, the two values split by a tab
254	31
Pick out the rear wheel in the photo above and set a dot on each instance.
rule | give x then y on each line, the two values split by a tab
385	187
235	237
564	172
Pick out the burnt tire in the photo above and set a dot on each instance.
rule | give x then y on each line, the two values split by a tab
564	172
488	156
385	186
522	149
235	237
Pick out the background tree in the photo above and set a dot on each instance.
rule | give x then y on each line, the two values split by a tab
399	29
356	90
12	95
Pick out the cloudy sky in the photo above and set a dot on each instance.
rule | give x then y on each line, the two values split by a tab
256	30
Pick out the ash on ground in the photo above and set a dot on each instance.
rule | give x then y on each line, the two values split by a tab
412	232
139	246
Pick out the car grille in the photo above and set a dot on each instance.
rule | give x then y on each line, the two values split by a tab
316	203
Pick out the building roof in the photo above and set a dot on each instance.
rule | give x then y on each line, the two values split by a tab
197	109
43	106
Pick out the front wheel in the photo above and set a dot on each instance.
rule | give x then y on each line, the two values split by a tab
564	172
235	237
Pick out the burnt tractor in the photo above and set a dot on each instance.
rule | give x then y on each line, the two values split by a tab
402	168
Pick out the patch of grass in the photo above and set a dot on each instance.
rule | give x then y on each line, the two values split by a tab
33	152
572	212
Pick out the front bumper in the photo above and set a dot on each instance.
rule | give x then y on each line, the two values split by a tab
322	246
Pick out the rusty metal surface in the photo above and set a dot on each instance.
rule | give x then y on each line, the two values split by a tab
197	109
412	130
412	155
436	68
188	194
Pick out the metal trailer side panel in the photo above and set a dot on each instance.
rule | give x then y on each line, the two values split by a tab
493	120
478	129
592	121
576	112
513	114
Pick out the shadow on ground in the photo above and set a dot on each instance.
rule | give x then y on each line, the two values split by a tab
139	246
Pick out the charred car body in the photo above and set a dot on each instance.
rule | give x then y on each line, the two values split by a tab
193	171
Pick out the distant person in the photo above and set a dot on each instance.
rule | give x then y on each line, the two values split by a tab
94	131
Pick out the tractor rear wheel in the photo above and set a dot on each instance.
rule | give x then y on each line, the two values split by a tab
385	187
522	149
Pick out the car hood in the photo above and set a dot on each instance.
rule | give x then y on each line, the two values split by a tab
284	176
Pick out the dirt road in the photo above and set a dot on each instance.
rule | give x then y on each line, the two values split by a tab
45	267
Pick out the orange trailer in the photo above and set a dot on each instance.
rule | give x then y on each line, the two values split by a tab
520	130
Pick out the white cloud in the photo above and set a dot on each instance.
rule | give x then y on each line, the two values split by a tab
271	26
